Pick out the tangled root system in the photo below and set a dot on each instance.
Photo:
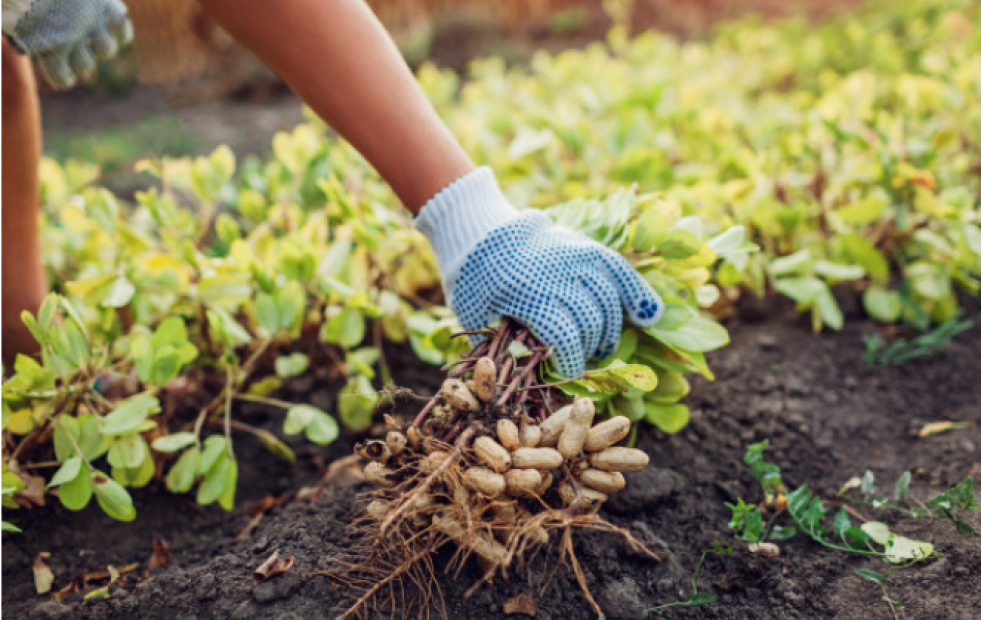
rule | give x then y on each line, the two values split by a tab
496	466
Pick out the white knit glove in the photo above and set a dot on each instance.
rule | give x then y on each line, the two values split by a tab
67	36
568	289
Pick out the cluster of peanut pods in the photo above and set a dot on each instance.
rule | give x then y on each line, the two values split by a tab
512	455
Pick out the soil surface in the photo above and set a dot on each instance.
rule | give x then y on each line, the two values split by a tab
828	415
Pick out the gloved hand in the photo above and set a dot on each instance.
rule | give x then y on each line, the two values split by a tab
568	289
67	36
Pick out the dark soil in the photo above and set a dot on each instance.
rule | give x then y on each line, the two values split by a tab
828	415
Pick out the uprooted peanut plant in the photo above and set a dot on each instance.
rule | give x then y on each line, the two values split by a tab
497	464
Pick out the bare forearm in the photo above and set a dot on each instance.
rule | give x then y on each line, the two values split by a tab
337	57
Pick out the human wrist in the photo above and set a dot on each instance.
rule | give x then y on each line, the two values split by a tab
459	216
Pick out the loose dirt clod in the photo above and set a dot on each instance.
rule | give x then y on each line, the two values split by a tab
492	478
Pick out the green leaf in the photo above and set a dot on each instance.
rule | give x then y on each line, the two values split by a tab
346	328
901	491
841	523
276	446
792	263
181	476
668	418
291	365
322	429
6	526
90	438
680	244
216	480
619	377
863	212
267	313
802	290
127	451
837	271
214	447
901	549
650	230
68	471
829	311
113	498
297	418
130	414
119	294
76	493
727	241
881	304
871	575
699	334
227	498
356	403
877	531
66	429
173	442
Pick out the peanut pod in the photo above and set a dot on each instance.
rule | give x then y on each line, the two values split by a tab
485	379
373	450
545	459
377	509
484	481
458	395
432	462
591	497
376	473
492	454
603	481
619	459
529	434
552	426
396	442
479	542
507	434
522	482
607	433
577	428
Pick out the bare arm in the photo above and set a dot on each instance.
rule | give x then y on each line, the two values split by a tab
338	58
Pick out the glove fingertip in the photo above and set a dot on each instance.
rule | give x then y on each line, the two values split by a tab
647	309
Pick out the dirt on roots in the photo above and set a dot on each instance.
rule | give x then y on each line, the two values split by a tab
828	416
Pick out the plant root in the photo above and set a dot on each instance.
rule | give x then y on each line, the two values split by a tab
494	472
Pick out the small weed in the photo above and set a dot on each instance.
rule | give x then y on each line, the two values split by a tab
696	598
878	353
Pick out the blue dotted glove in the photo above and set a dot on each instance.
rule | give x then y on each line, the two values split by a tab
568	289
67	36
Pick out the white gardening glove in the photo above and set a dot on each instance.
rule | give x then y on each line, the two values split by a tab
568	289
67	36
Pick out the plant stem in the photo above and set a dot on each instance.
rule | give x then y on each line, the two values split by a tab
265	400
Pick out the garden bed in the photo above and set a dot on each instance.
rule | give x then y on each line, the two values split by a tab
828	416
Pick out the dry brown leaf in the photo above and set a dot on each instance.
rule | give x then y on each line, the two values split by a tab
160	558
33	493
522	603
272	566
935	428
43	577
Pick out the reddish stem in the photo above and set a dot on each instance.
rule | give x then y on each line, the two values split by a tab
425	411
525	372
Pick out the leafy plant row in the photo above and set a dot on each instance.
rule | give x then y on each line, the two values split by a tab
745	163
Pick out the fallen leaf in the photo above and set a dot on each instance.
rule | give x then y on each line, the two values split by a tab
113	573
935	428
852	483
272	566
522	603
160	558
43	577
33	491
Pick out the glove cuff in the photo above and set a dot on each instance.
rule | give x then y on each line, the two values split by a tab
457	218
